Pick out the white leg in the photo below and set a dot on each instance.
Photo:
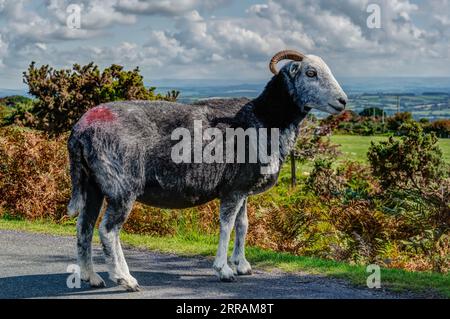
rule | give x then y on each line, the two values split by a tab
130	283
229	208
238	257
109	229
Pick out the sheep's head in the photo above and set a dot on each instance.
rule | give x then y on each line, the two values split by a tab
310	82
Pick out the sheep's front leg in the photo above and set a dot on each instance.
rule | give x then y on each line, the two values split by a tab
229	207
238	257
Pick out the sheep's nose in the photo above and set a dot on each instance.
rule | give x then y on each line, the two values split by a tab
342	101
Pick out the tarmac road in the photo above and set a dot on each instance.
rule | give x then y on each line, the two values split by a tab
35	266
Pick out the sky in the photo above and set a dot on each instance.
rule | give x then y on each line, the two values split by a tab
225	40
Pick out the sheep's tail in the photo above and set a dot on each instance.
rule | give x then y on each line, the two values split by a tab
78	176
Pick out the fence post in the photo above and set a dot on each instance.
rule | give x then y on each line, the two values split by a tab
293	170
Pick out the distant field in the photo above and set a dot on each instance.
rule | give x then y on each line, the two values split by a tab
355	147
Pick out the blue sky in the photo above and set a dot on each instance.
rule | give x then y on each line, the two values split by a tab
226	40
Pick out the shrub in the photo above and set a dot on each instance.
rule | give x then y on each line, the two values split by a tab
334	120
34	180
13	100
372	112
363	228
349	181
323	180
440	127
9	105
351	123
394	122
349	193
312	143
151	221
165	222
368	128
293	226
413	159
20	114
64	95
4	111
417	189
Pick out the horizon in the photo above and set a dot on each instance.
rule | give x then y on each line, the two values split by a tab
201	82
414	91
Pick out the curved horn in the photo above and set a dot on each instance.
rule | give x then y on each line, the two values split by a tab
284	55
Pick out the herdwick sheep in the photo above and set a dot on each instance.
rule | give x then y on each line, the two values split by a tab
122	152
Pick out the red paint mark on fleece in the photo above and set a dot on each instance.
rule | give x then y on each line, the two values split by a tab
97	115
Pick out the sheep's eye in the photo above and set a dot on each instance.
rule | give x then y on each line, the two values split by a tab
311	73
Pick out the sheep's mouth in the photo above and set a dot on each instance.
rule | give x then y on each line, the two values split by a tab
337	108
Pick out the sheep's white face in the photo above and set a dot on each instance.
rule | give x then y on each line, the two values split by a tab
312	84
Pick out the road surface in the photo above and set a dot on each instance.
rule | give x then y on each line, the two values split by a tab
35	266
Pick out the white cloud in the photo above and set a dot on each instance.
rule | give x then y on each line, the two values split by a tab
197	44
3	50
95	14
167	7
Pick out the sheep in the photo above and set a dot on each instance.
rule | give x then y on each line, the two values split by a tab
121	152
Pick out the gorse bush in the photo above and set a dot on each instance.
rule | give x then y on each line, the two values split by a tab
440	127
372	112
20	114
313	143
323	180
349	181
11	107
416	183
62	96
398	119
4	112
412	161
13	100
364	123
397	207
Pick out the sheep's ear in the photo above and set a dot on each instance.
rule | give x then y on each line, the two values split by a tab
294	68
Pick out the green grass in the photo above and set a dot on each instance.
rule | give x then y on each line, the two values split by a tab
355	147
191	245
444	144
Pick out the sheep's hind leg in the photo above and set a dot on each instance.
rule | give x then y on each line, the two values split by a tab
238	257
229	208
115	216
85	228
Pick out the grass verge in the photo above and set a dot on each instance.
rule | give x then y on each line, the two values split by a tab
355	147
195	244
